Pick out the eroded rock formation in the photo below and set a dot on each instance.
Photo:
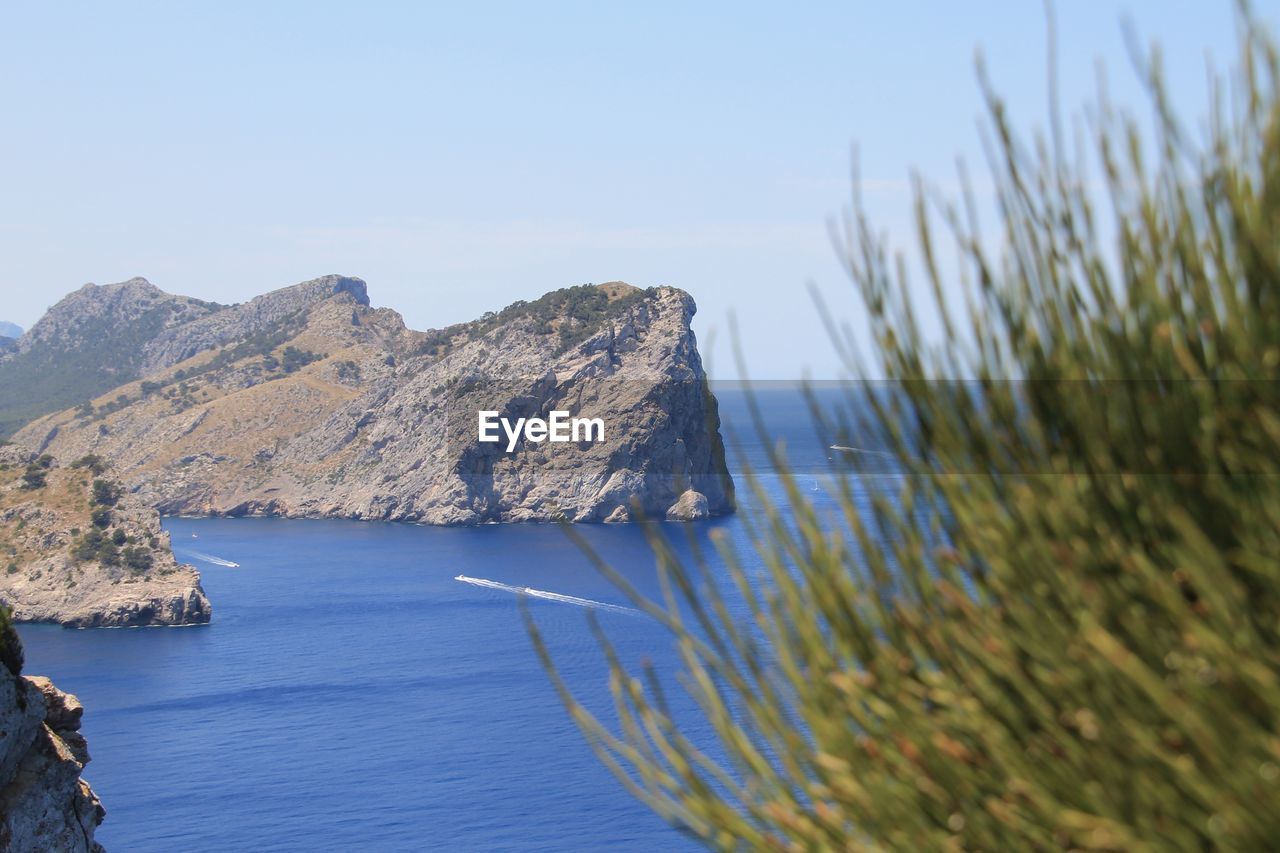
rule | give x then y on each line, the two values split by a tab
77	550
44	803
309	402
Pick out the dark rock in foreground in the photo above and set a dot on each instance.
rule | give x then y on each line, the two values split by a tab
44	804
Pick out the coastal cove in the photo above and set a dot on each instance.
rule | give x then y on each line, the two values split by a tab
352	692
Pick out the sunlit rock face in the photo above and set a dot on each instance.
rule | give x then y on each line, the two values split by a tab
336	409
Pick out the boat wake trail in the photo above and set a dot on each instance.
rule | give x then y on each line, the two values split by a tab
209	558
844	448
547	596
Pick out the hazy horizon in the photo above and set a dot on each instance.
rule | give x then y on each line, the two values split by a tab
458	161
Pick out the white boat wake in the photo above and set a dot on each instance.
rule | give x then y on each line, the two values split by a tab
209	558
844	448
547	596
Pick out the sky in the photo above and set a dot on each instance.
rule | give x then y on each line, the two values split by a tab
461	156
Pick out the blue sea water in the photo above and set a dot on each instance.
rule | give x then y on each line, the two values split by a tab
352	695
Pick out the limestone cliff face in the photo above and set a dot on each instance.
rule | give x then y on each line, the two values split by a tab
335	409
238	322
134	309
86	555
88	343
407	448
44	804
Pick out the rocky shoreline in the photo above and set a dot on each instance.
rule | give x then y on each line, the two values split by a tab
80	552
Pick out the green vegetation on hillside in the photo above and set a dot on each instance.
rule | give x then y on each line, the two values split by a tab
92	462
1057	629
577	312
180	386
103	354
11	655
291	359
68	502
118	548
36	473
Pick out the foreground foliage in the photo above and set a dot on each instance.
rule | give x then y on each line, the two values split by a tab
1058	628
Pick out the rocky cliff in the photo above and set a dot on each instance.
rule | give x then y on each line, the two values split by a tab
131	312
76	550
86	344
241	322
312	403
44	804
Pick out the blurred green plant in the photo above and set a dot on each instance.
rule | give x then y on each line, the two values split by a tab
1060	627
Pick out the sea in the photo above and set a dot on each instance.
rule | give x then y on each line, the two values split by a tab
353	694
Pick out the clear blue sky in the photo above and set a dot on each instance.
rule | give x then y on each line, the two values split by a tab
461	156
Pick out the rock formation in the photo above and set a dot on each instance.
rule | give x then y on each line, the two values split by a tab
102	336
44	804
308	402
88	343
77	551
241	322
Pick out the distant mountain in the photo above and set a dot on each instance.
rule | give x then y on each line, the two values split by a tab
10	330
100	337
308	402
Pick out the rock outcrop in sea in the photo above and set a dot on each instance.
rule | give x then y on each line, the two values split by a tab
77	550
309	402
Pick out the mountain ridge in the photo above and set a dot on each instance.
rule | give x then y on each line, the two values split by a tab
88	342
99	337
309	402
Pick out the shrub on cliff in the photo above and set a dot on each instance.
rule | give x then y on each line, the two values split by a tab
11	655
91	461
34	477
293	359
1057	626
138	559
84	548
97	547
580	310
105	492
